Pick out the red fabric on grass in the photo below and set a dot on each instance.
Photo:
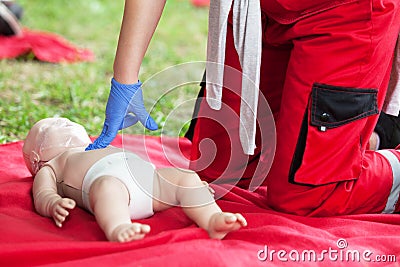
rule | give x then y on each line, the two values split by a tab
27	239
45	46
201	3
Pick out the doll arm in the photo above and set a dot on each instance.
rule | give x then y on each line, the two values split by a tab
47	201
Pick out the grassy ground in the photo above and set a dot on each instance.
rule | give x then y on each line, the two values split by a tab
31	90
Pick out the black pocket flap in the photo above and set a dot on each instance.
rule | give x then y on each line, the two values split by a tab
333	106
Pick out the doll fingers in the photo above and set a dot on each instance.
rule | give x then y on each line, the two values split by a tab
67	203
61	211
64	203
59	219
241	219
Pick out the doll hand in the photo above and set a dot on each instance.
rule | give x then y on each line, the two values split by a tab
124	108
60	210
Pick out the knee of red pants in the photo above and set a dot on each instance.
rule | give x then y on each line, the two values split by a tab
376	190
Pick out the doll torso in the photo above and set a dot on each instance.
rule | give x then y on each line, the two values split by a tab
71	166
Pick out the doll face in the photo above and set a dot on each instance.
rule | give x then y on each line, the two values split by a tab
50	137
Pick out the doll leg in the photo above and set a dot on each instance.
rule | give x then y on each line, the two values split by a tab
109	200
181	187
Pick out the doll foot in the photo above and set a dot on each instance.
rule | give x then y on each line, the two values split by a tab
221	224
129	232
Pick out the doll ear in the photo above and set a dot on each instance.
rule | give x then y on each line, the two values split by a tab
34	161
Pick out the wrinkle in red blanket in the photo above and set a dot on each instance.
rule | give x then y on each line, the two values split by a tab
270	239
47	47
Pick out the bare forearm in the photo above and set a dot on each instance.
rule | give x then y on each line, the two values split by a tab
139	23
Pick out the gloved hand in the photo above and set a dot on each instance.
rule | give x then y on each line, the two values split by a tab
124	108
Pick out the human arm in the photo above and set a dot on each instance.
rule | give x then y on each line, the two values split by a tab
125	103
47	201
140	20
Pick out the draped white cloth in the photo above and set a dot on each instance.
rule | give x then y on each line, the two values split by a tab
247	39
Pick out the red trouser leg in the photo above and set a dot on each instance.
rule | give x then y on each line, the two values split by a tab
321	166
320	172
217	155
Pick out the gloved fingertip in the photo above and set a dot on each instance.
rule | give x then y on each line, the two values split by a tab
99	143
90	147
151	124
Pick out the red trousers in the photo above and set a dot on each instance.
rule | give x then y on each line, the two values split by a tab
324	73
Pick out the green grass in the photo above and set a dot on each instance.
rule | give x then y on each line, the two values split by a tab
31	90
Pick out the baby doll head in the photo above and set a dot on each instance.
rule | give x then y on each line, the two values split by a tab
50	137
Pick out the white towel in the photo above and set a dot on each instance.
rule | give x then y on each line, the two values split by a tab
248	43
391	105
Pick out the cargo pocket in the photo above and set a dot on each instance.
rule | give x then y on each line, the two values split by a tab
329	145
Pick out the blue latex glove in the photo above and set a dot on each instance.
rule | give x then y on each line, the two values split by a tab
124	108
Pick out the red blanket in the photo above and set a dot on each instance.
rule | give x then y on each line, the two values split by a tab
271	238
47	47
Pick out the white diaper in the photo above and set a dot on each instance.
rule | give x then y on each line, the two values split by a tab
134	172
